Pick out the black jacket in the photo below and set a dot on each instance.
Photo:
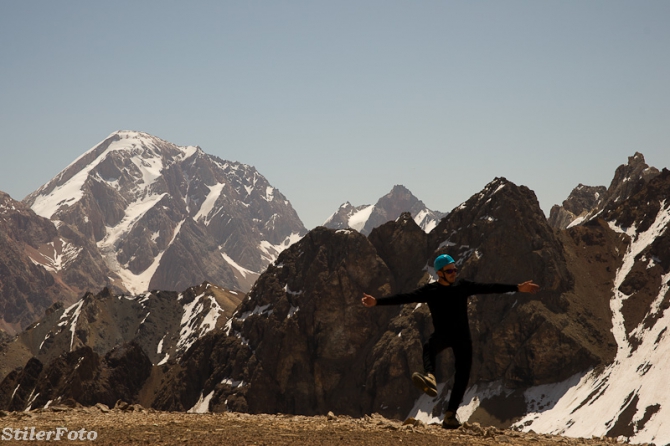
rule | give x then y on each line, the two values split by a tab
448	304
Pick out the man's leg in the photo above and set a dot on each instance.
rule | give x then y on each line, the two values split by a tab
463	364
426	382
436	343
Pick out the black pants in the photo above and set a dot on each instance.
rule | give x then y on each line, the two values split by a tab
462	349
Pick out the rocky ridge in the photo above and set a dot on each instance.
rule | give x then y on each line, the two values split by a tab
586	202
163	324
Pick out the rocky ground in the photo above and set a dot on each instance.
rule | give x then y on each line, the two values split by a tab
136	425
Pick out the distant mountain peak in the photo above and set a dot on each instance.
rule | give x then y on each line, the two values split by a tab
388	208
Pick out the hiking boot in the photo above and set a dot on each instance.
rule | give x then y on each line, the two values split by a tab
425	383
450	421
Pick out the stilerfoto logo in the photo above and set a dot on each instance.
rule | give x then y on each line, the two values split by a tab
58	434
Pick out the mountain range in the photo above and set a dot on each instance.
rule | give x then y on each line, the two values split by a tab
585	356
137	213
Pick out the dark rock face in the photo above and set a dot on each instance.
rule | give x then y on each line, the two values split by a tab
628	180
501	235
625	251
634	207
4	339
26	289
104	347
18	387
79	376
301	341
164	323
403	246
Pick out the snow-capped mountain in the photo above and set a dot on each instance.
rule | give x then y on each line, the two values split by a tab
168	217
630	396
389	207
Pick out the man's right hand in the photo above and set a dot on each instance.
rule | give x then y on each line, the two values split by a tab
368	300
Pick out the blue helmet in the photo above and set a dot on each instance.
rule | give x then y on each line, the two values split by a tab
442	261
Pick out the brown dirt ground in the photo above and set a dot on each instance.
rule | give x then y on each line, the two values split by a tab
136	425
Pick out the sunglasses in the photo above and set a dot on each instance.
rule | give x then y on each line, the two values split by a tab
450	271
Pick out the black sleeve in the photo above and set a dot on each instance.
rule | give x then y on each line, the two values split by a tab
418	295
489	288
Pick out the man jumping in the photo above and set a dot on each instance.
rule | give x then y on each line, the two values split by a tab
447	300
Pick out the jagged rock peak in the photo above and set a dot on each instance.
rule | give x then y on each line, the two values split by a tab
19	222
586	202
7	203
582	200
81	376
651	202
493	189
628	178
399	190
501	235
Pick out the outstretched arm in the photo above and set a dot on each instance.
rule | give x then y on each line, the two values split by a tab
368	300
528	287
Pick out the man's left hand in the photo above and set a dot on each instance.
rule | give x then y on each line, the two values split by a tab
528	287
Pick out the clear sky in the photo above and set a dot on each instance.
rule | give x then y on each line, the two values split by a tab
336	101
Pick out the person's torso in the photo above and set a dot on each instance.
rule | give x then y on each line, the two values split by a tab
449	308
